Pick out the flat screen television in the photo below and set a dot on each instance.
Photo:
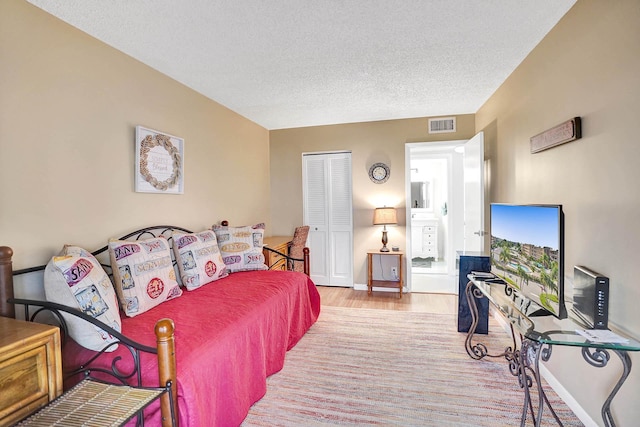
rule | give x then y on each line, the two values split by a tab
527	245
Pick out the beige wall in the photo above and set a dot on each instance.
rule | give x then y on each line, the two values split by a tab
68	110
587	66
69	105
369	143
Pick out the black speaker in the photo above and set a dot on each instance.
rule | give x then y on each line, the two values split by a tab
591	297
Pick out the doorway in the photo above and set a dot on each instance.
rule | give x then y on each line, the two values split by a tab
434	220
429	210
445	215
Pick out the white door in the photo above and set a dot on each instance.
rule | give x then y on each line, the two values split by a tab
474	194
327	199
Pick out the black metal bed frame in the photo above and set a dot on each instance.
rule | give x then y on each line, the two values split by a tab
132	377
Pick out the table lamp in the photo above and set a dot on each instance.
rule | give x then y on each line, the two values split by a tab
384	216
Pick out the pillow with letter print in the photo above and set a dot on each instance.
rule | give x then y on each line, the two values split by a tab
76	279
199	259
241	247
143	274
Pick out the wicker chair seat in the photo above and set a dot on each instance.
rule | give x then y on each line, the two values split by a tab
94	403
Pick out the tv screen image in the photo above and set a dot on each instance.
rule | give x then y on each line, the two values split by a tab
527	252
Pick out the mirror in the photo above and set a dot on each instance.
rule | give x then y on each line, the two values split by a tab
421	195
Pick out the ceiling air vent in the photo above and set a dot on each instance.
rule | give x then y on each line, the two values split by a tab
442	125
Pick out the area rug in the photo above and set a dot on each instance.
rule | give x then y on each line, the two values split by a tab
384	367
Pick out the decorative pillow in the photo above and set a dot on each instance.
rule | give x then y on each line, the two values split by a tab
143	274
241	247
76	279
199	259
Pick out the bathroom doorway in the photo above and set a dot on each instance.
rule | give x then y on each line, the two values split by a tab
435	223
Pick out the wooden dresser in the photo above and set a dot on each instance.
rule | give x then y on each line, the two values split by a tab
30	368
280	244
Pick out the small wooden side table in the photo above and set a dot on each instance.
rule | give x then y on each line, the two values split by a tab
30	368
280	244
384	283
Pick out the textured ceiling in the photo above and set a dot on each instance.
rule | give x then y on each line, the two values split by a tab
295	63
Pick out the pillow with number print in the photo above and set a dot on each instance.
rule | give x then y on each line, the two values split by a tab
199	259
76	279
143	274
241	247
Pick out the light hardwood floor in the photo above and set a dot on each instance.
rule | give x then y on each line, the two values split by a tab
348	297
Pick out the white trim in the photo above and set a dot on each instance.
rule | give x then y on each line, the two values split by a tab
500	319
431	146
429	150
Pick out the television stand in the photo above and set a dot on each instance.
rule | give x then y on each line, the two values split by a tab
536	333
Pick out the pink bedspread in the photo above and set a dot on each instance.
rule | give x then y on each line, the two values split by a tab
230	335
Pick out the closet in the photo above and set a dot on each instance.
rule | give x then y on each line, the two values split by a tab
327	204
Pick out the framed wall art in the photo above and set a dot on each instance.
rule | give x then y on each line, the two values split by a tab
159	162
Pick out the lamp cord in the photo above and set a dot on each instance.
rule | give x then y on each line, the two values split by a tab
382	269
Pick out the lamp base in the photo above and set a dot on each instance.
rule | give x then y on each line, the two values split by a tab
384	240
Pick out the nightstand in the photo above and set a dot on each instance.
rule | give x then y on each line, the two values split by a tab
280	244
399	282
30	368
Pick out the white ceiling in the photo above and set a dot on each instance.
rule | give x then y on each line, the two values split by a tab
296	63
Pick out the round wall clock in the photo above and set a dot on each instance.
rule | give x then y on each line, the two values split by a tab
379	173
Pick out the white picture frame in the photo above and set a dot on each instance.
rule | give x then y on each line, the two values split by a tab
159	164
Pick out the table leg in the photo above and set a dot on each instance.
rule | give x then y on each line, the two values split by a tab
400	270
369	274
600	358
530	355
478	351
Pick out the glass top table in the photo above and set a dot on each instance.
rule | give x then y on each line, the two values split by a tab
522	314
538	333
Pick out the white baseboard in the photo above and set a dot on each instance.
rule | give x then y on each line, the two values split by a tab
359	287
500	319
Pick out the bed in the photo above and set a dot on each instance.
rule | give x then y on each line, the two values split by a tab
229	336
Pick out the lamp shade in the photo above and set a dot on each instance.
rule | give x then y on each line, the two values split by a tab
385	216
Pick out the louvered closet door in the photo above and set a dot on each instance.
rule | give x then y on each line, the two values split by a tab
328	212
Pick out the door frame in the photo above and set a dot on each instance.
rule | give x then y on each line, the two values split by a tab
477	200
445	148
